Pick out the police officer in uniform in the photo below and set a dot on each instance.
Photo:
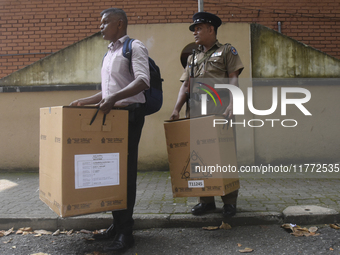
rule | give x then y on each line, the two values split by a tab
212	60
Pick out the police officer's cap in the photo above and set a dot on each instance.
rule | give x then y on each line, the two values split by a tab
205	17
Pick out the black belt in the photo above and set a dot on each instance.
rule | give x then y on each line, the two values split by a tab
131	107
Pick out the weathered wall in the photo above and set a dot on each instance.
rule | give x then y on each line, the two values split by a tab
80	64
76	64
276	55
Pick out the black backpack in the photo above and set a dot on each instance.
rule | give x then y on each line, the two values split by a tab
154	95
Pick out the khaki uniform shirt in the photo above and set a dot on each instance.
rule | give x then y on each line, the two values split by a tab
223	60
219	62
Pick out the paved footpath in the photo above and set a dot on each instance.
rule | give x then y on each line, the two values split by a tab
261	201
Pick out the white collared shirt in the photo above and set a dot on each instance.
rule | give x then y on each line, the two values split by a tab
116	74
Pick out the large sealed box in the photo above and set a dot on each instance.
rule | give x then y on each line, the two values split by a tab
83	166
202	157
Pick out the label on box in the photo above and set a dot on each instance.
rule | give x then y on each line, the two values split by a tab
96	170
196	184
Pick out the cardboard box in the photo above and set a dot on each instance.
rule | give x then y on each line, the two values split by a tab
83	167
196	150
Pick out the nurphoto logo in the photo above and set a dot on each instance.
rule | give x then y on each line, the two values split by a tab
212	93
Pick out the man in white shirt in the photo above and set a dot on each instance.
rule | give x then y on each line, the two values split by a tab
122	88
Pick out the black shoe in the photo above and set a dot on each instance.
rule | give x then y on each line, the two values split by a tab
202	208
107	234
121	242
229	210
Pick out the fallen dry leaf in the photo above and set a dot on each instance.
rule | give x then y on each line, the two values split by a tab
335	226
69	232
239	245
24	231
8	232
303	229
89	239
225	226
27	229
4	233
8	241
210	228
246	250
289	226
43	232
331	249
99	231
299	231
84	231
56	233
313	229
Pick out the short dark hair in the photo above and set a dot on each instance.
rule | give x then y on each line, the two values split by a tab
116	11
215	28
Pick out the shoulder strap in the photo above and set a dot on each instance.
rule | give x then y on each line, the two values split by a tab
127	50
225	56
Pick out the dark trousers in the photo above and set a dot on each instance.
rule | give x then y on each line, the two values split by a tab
230	198
122	219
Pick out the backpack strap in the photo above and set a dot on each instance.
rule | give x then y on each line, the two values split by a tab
127	50
225	56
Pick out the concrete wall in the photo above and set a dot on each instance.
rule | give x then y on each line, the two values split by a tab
316	138
78	65
19	125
